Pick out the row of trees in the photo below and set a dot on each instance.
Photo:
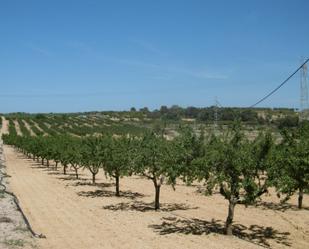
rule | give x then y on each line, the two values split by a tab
59	124
242	170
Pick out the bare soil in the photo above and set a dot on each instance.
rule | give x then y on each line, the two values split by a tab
28	127
38	127
75	214
17	127
5	126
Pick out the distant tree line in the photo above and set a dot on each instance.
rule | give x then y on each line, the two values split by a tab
225	114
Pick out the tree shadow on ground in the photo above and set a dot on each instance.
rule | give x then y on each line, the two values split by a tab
203	191
55	173
70	177
37	166
108	193
254	234
22	156
279	206
87	183
141	206
84	182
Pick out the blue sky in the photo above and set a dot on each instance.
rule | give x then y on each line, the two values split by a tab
67	56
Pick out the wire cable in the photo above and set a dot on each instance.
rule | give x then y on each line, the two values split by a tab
278	87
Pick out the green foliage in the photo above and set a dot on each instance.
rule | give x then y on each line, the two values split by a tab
234	164
34	128
73	153
23	128
93	155
287	122
187	148
154	159
40	116
117	157
290	164
12	129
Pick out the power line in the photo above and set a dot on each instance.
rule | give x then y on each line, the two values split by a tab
278	87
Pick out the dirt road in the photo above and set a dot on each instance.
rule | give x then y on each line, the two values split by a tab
13	229
74	214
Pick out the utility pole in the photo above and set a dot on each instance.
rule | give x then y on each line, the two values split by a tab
304	111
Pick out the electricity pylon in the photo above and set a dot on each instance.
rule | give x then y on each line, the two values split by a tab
304	111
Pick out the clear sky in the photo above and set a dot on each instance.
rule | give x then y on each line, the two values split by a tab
67	56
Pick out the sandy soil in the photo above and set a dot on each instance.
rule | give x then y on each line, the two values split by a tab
28	127
47	124
5	126
39	128
18	131
74	214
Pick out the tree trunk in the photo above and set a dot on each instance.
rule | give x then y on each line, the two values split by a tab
47	163
93	178
157	197
230	217
42	162
117	185
64	169
76	172
56	166
300	198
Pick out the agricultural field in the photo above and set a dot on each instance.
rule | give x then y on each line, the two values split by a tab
142	180
154	125
135	122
